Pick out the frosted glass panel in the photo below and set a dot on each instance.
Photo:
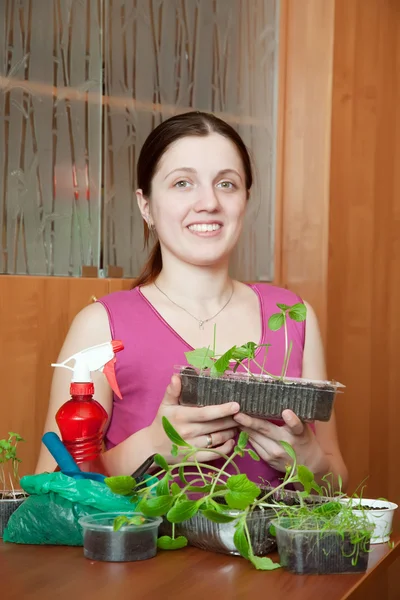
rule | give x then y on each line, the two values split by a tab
50	135
166	56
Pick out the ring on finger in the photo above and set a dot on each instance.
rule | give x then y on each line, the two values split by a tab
209	441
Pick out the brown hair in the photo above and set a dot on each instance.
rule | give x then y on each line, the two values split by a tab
180	126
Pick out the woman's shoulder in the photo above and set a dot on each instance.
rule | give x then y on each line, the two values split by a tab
273	294
120	298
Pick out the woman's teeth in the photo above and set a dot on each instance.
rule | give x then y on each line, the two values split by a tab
204	227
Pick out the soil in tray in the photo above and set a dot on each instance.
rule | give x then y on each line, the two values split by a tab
329	555
366	507
11	496
120	546
260	398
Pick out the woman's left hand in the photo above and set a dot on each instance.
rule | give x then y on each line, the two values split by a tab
265	437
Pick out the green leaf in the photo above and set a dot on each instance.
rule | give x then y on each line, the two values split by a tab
283	307
175	489
328	509
242	491
136	520
222	364
161	462
182	511
253	455
166	542
155	507
246	351
217	517
298	312
17	437
201	358
289	450
240	541
272	530
173	434
306	478
174	450
119	522
122	520
122	484
162	488
243	439
263	563
276	321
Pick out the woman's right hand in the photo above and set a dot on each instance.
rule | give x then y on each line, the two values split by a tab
194	424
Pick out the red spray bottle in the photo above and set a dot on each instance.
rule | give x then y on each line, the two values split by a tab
82	419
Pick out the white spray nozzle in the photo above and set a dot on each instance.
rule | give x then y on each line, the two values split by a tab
96	358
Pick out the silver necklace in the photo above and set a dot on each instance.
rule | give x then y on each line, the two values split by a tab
200	321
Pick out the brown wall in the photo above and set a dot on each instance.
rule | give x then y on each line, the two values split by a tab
364	239
363	290
35	314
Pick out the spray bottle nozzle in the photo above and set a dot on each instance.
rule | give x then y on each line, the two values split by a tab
117	345
97	358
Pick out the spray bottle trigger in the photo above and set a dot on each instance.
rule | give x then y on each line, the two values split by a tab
109	372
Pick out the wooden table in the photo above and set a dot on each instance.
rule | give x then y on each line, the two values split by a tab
44	572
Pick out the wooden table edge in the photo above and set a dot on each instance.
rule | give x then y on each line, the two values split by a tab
387	559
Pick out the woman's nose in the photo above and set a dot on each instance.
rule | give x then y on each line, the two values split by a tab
207	199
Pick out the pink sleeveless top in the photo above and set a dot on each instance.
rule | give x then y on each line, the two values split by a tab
153	348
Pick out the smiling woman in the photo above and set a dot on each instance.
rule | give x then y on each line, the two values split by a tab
195	177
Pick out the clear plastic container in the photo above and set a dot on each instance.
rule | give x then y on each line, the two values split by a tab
130	543
218	537
259	395
312	551
379	514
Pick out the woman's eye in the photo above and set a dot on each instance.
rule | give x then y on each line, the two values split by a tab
181	184
227	185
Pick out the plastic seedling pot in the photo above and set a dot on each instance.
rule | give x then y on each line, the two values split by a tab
259	395
130	543
313	551
9	502
218	537
379	513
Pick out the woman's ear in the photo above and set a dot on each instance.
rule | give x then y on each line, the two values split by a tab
144	206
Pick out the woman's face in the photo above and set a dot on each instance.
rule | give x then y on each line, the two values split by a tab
198	199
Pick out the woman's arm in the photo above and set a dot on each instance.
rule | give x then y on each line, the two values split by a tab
314	368
90	327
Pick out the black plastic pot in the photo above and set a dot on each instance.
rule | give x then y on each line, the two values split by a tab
9	502
260	396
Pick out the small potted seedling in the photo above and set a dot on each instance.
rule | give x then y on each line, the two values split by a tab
214	379
119	537
209	507
323	540
10	498
378	512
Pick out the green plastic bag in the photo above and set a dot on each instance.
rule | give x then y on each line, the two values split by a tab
55	503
